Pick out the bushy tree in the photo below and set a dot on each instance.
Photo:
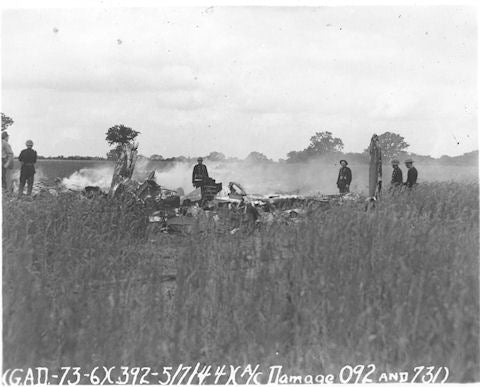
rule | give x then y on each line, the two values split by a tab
298	156
256	157
320	144
324	142
393	145
121	134
216	156
156	157
6	122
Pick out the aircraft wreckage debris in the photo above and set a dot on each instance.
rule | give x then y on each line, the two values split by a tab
170	210
229	210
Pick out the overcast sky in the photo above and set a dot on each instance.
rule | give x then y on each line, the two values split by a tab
239	79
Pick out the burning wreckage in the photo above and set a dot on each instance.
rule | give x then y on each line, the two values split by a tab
172	210
229	208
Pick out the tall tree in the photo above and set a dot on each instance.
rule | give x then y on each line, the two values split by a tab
6	122
321	143
393	145
121	134
324	142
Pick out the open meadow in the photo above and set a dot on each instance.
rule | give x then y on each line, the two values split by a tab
87	283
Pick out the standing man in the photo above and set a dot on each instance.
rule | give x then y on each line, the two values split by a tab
375	168
412	174
7	164
200	174
28	158
344	177
397	175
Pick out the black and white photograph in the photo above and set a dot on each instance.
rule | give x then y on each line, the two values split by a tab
239	193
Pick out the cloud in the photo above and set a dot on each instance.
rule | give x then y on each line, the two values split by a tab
239	78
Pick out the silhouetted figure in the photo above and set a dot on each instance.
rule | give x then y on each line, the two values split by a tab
344	177
200	174
397	175
412	174
28	158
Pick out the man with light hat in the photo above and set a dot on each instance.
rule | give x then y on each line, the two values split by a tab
412	173
7	164
397	175
28	158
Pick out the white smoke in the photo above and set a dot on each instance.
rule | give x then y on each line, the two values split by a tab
178	176
100	176
316	176
259	178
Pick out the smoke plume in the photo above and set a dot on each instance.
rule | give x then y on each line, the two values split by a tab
314	177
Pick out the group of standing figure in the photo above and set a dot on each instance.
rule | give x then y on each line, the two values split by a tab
375	172
27	158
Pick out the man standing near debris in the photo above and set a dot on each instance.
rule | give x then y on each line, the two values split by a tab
344	177
412	174
200	174
28	158
397	175
7	164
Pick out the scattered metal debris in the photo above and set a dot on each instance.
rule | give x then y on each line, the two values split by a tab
228	210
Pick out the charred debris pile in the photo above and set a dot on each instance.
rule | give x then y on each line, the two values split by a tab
171	210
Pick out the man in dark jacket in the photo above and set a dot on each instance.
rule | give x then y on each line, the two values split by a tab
344	177
412	174
28	158
200	174
397	175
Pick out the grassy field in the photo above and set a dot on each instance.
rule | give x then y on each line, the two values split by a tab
86	283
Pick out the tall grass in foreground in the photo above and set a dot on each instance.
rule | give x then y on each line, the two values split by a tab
396	286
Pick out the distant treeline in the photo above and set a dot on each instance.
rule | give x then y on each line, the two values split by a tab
323	146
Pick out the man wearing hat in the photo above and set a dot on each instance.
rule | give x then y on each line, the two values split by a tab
397	175
344	177
200	174
7	164
412	173
28	158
